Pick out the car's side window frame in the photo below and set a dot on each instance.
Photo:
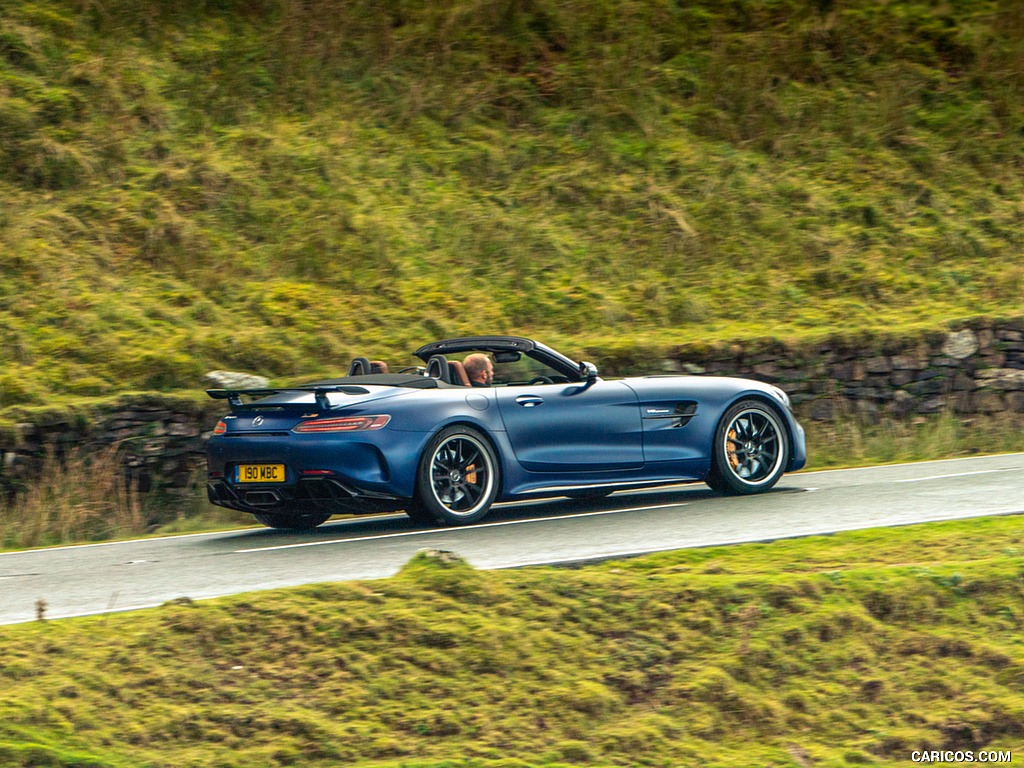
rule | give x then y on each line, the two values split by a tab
531	372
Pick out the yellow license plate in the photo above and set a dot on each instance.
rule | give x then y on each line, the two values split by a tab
260	473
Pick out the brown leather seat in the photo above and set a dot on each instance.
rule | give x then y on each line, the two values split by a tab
458	373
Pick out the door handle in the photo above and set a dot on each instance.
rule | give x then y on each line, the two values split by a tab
529	401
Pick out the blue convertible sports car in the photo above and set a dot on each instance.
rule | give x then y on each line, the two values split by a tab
425	441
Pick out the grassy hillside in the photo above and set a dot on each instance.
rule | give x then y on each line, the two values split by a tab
276	185
856	649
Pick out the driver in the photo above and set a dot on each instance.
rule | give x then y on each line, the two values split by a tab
479	369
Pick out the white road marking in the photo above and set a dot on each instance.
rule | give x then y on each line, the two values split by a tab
177	536
830	531
97	612
958	474
435	531
806	473
172	537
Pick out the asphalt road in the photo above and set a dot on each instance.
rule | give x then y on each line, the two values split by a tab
127	575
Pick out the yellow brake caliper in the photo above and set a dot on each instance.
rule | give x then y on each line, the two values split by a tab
731	452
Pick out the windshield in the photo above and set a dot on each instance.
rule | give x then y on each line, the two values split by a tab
525	371
516	361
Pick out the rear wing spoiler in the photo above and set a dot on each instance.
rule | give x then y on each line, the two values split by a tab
234	396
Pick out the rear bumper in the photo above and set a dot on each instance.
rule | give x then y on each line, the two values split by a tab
325	494
343	472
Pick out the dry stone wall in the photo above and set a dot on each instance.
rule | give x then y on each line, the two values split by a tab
972	370
161	443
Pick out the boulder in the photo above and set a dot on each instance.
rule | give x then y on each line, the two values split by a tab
234	380
961	344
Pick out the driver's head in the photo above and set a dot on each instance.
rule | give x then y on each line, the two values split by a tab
479	368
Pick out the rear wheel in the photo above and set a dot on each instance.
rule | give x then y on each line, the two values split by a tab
293	521
419	514
751	449
458	478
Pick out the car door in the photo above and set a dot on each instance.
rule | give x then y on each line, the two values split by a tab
574	427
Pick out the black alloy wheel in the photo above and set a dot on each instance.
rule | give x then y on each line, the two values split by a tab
751	449
458	478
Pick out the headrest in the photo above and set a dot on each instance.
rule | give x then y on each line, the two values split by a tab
360	367
437	368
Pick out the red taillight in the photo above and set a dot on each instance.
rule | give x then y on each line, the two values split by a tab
317	472
348	424
221	428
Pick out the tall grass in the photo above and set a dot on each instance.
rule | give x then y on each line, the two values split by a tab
81	496
86	494
849	441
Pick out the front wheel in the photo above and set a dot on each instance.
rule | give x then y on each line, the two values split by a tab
293	521
751	449
458	477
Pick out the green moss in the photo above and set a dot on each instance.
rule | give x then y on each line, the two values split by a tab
736	656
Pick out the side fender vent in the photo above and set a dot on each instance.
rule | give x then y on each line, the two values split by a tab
679	413
685	410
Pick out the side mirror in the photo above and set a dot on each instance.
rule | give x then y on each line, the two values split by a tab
588	371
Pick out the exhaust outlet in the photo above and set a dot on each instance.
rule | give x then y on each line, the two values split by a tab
262	498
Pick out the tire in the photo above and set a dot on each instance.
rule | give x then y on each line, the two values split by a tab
751	449
457	479
293	521
419	514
